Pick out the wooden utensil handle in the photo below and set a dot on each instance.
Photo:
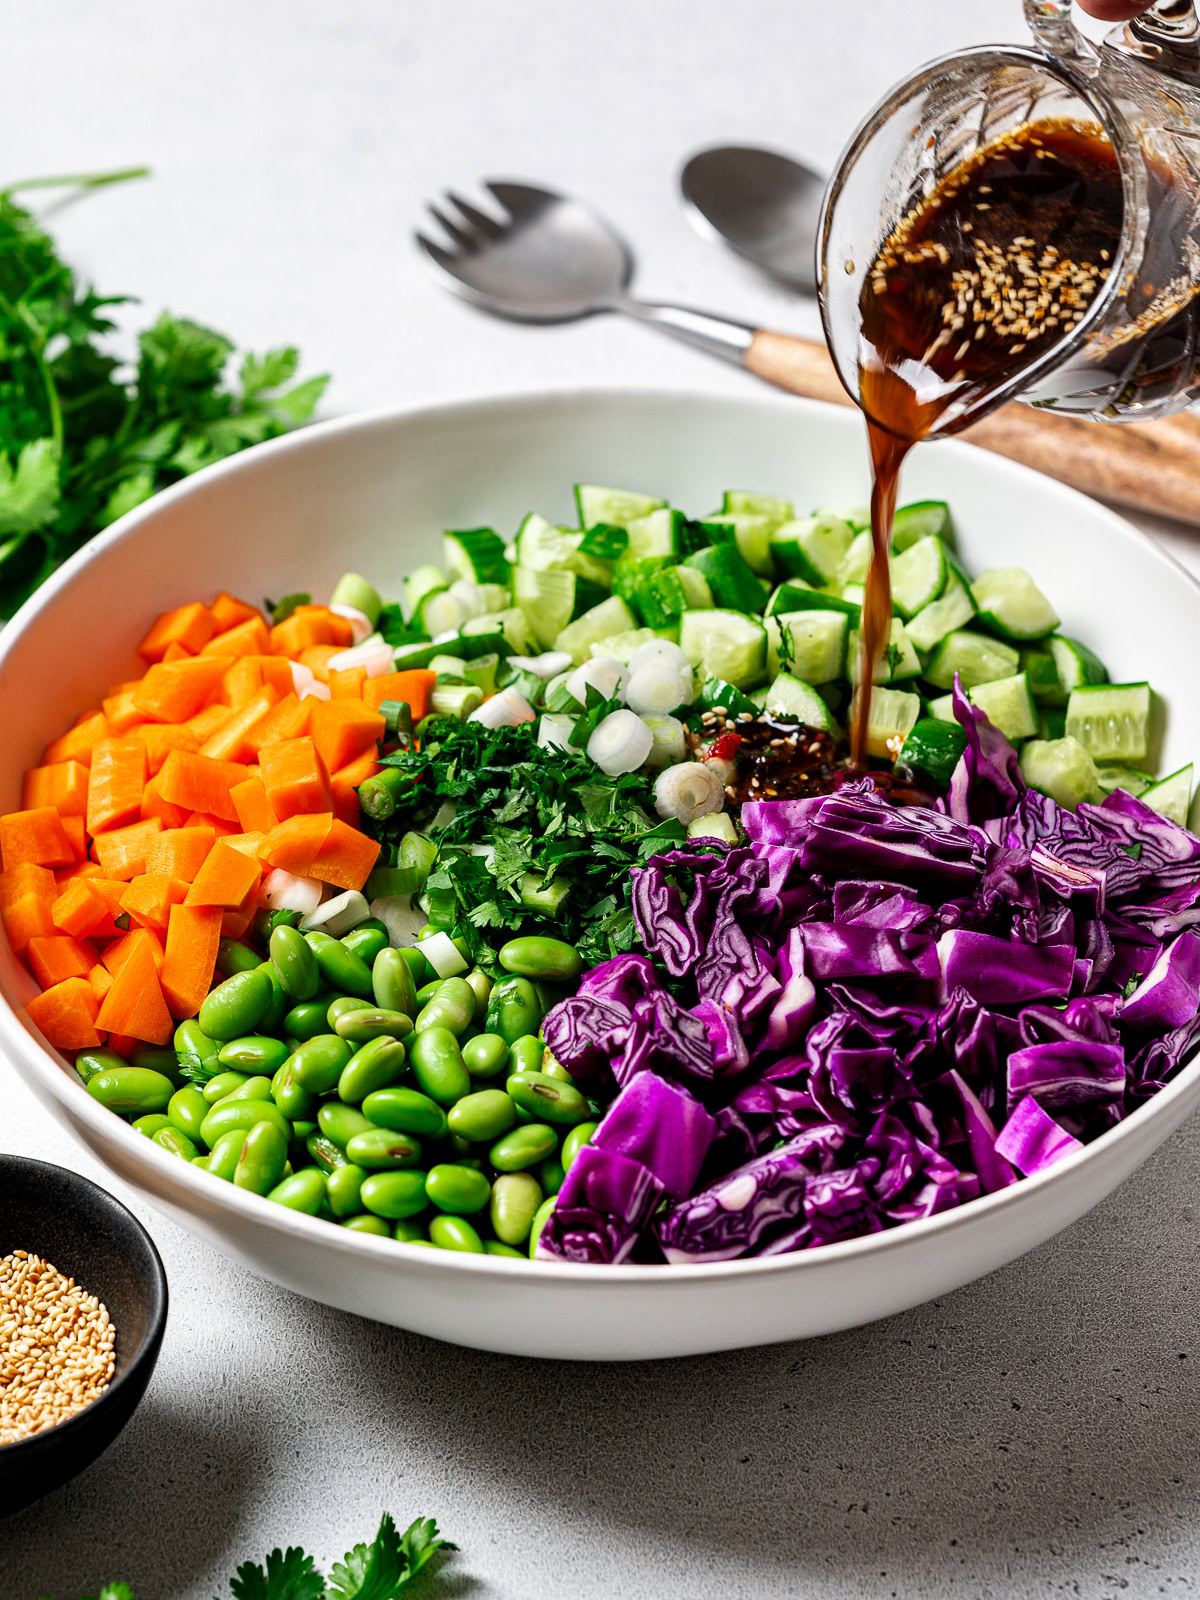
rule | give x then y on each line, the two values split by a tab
1151	466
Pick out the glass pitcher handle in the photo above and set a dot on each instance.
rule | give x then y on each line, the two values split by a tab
1051	25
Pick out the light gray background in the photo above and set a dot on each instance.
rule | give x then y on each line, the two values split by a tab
1036	1434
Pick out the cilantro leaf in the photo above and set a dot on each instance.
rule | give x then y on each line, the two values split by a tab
29	489
288	1575
382	1569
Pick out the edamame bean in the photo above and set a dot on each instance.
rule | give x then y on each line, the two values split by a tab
256	1088
272	1018
574	1142
555	1069
151	1123
373	1067
395	1195
515	1199
535	956
383	1149
523	1147
326	1152
485	1055
392	982
481	988
341	968
437	1066
340	1123
303	1191
482	1116
513	1009
263	1158
493	1247
294	963
237	1006
343	1006
235	956
526	1054
343	1188
551	1174
133	1091
223	1157
458	1188
372	1023
177	1142
90	1062
405	1110
452	1006
292	1098
158	1058
368	1224
453	1233
193	1047
242	1114
408	1231
539	1222
317	1063
427	990
221	1084
201	1162
255	1053
548	1098
306	1020
418	965
301	1129
366	941
187	1109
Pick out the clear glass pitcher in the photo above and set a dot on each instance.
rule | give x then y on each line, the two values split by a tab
1136	352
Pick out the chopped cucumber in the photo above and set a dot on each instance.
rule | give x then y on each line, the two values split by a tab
657	534
789	696
1076	664
609	617
737	501
1011	605
727	574
922	519
898	660
818	644
855	593
547	599
813	548
942	709
476	554
467	646
605	541
1171	796
751	534
512	624
664	596
797	596
1132	779
954	609
1008	706
542	546
716	694
859	517
1052	720
724	643
620	646
853	566
974	657
1111	721
717	825
892	716
439	611
619	507
1044	684
696	592
420	583
919	576
1060	768
931	751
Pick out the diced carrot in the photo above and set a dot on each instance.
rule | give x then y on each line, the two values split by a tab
205	819
205	723
229	743
247	843
177	652
78	869
295	778
118	776
135	1003
78	742
27	891
343	730
100	977
308	626
345	858
121	1044
242	680
191	626
199	783
67	1015
75	831
153	805
277	671
227	611
345	785
35	836
235	923
295	843
59	956
225	879
115	955
347	684
412	687
249	638
193	934
149	899
290	719
121	710
179	852
160	738
317	658
174	691
252	806
83	912
63	786
122	853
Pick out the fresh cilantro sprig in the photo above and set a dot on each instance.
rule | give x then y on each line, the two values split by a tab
84	436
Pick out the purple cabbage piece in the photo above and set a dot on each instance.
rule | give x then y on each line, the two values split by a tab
858	834
796	1002
1167	996
852	950
987	780
769	822
730	1051
605	1202
662	1126
1031	1139
980	1131
624	980
1067	1074
583	1032
663	1037
1001	972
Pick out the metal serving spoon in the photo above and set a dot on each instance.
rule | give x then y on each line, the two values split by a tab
763	205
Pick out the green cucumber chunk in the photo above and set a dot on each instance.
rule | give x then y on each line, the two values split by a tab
974	657
1060	768
609	617
812	548
897	661
817	651
1077	666
931	752
1132	779
619	507
1008	706
1011	605
1112	721
789	696
953	609
728	575
891	718
737	501
725	644
919	576
1171	796
923	519
476	554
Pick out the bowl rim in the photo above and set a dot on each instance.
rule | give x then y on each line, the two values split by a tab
55	1074
63	1431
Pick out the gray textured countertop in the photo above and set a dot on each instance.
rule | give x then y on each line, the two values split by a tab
1035	1434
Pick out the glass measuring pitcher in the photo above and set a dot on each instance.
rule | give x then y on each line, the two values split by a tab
1135	352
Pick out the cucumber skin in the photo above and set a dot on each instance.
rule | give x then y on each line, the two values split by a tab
931	752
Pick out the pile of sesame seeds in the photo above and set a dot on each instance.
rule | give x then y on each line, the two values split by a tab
56	1347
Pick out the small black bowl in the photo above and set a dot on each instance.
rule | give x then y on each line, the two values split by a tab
80	1229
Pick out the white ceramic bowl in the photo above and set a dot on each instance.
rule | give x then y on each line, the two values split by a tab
372	493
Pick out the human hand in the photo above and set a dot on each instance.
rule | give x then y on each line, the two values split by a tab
1115	10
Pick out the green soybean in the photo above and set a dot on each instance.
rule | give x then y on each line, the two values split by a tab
395	1195
539	1222
345	1005
151	1123
452	1005
555	1069
365	1223
303	1191
306	1020
221	1084
392	982
457	1188
132	1090
526	1054
343	1188
202	1162
551	1173
485	1055
407	1231
481	987
241	1114
341	968
548	1098
383	1148
317	1063
157	1058
405	1111
513	1009
326	1152
223	1157
515	1199
418	966
292	1098
90	1062
256	1088
194	1048
301	1129
453	1233
373	1067
235	956
277	1008
177	1142
372	1023
253	1054
482	1116
263	1158
437	1066
574	1142
294	963
187	1109
237	1006
340	1123
535	956
366	941
427	990
493	1247
523	1147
